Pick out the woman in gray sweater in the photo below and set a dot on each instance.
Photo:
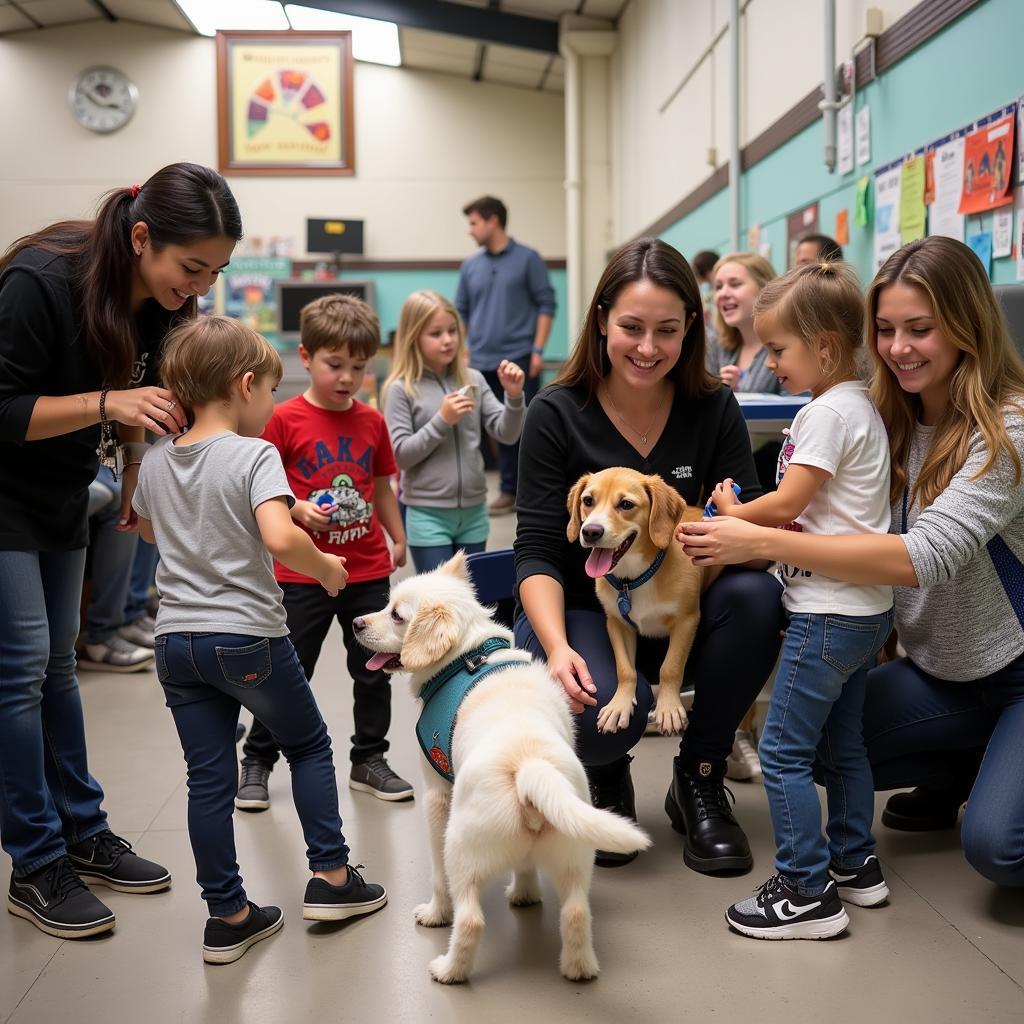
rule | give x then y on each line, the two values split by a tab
948	718
436	408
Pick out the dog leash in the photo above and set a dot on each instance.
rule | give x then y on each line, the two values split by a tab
625	587
443	693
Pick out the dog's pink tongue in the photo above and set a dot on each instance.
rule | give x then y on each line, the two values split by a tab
599	562
378	661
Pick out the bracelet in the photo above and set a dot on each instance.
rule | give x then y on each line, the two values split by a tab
103	405
537	350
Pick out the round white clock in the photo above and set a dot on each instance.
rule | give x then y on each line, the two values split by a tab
103	99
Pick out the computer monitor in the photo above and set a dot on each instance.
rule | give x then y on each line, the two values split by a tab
336	235
293	295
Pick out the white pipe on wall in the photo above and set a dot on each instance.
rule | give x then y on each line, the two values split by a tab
734	125
829	104
573	191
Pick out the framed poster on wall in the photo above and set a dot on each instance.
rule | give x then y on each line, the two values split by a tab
284	103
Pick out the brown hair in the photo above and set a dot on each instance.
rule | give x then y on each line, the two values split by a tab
181	203
340	321
204	357
653	260
821	303
487	207
761	271
989	375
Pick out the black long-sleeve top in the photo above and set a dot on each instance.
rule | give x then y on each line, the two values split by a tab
567	434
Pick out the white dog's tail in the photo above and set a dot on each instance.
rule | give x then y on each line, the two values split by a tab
541	784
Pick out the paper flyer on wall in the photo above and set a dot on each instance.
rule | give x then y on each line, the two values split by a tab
1002	232
887	212
912	200
1020	233
988	157
844	125
945	217
863	135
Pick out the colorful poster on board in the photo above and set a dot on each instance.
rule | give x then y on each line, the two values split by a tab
862	206
842	229
982	246
249	291
912	200
988	160
945	217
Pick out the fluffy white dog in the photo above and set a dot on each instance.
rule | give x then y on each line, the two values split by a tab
519	801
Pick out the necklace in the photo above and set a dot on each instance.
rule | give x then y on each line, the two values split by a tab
622	419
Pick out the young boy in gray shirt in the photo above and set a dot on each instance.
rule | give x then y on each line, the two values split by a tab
216	502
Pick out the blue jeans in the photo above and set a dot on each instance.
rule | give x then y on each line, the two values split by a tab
733	654
920	730
424	559
112	554
143	574
508	454
206	677
816	710
48	799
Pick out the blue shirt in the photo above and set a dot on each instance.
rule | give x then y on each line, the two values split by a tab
500	296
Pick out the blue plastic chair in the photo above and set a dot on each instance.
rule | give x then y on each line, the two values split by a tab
494	575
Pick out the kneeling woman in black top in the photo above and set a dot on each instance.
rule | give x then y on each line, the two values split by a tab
635	393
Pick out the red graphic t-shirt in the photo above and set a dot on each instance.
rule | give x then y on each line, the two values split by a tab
333	458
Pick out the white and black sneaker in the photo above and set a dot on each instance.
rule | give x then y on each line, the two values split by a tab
778	911
57	902
376	776
253	788
109	860
225	943
864	886
326	902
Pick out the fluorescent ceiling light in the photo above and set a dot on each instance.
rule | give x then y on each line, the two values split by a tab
372	40
209	16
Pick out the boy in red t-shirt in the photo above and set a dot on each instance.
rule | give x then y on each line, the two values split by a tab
338	458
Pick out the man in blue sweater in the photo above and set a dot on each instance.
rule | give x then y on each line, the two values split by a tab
507	302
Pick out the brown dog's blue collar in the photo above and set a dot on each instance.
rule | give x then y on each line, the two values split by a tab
625	599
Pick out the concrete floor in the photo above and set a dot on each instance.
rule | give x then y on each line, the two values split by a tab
948	948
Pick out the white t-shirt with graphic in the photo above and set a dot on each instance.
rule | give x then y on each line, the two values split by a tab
841	433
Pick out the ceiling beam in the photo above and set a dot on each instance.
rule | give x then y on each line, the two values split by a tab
482	24
104	10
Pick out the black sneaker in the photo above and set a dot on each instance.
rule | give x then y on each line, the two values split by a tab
864	886
108	860
376	776
253	788
326	902
57	902
922	810
697	804
611	789
225	943
780	912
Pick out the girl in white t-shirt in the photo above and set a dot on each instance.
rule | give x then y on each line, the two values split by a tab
833	478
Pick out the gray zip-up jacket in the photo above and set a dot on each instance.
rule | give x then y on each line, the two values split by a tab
441	464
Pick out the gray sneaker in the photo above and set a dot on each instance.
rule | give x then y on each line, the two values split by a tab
139	632
253	788
376	776
115	655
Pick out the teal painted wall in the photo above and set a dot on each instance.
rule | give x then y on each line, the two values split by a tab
967	71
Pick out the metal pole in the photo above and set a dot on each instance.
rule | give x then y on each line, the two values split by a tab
734	125
829	104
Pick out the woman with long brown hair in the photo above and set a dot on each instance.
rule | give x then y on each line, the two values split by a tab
84	307
950	388
635	393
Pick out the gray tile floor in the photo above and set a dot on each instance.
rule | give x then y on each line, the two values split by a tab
948	948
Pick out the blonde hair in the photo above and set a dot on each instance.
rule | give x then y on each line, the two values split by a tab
407	362
761	271
988	376
821	303
340	321
203	358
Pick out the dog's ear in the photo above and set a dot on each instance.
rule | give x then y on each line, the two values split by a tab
572	531
667	508
430	636
456	566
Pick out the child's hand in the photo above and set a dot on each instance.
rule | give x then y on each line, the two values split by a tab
511	378
398	554
312	516
455	406
723	496
335	575
730	375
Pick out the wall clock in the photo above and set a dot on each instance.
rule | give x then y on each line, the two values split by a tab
103	99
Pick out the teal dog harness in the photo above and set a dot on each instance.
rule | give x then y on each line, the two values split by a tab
442	695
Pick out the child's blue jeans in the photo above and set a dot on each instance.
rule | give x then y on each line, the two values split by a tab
816	713
206	676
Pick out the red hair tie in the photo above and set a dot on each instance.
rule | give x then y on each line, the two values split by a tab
135	190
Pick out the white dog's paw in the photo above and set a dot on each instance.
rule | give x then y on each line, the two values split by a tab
580	967
523	893
444	970
670	717
615	715
430	915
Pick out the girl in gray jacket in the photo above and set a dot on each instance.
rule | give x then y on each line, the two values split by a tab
436	408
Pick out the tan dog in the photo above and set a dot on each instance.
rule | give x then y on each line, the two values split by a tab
520	799
626	519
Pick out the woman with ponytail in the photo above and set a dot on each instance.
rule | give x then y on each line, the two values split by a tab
84	308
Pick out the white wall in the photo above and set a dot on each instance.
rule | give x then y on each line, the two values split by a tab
659	157
426	143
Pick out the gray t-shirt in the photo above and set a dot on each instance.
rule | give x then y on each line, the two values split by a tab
215	574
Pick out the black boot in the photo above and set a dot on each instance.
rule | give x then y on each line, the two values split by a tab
923	809
698	807
611	788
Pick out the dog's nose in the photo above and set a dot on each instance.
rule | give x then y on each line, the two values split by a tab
592	534
358	625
